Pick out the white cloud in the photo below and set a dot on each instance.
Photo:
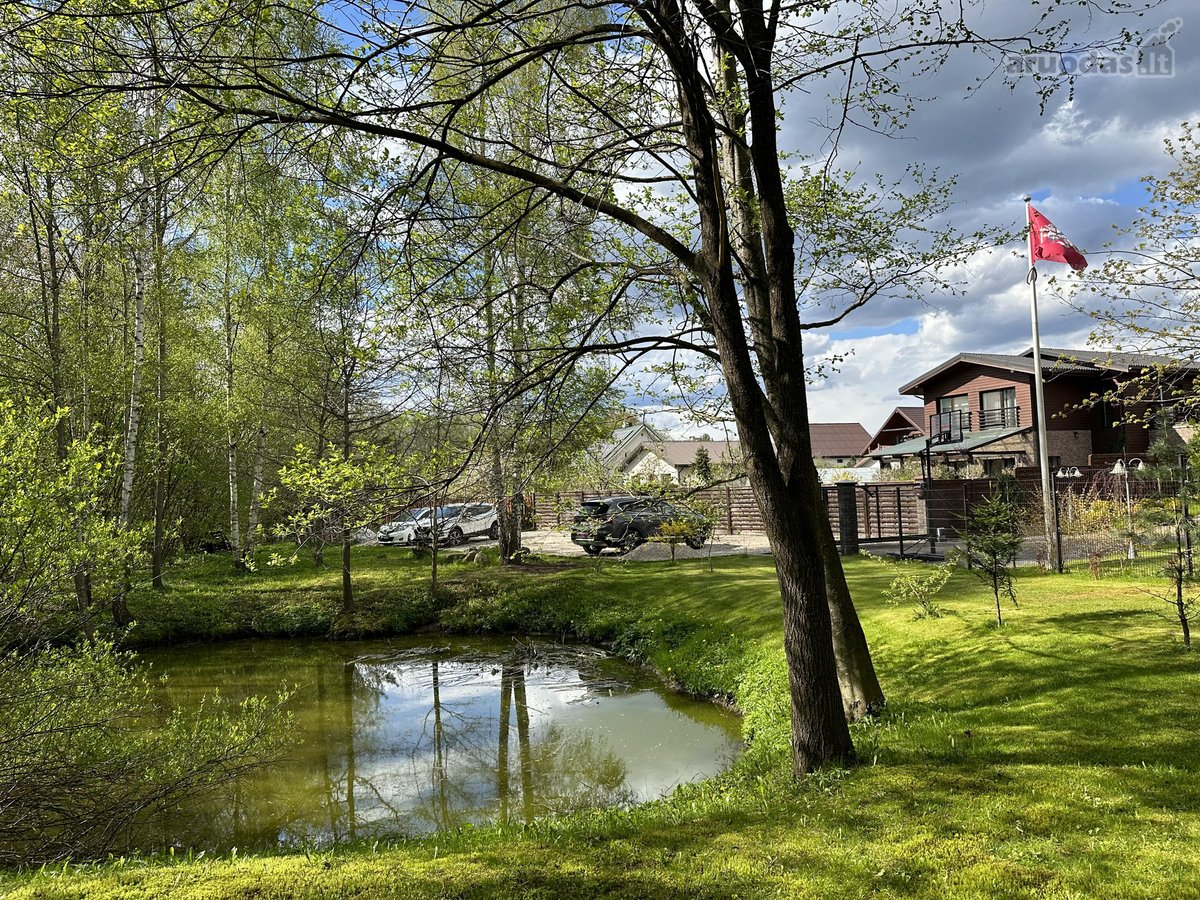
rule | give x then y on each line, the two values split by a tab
1085	156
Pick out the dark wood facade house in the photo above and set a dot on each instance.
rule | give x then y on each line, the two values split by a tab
979	408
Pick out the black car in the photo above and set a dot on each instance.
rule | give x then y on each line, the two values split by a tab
626	522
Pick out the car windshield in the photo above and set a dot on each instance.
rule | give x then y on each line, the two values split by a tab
600	508
448	512
416	515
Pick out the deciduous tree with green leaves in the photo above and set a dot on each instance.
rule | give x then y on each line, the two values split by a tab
78	764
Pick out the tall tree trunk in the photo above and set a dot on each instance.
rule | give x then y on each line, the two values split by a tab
158	550
120	606
347	447
788	492
861	691
260	450
45	242
780	471
513	506
862	695
231	328
87	279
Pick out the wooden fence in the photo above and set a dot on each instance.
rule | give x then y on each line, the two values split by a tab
885	511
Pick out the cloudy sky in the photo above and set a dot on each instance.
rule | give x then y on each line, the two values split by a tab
1081	159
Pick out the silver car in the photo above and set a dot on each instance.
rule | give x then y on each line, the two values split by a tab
460	522
403	531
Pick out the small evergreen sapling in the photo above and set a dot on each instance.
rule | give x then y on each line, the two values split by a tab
991	540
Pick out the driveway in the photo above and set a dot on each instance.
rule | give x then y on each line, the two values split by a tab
558	543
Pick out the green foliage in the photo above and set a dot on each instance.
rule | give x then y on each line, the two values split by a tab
674	532
702	467
991	540
910	471
51	528
87	755
916	584
328	496
83	756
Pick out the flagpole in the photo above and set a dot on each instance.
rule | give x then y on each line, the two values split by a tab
1039	391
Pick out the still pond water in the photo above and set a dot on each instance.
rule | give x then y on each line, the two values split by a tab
413	736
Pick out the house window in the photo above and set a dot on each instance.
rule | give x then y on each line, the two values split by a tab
952	419
955	403
998	409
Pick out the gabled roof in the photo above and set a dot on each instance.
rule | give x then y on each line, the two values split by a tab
624	442
1054	361
903	420
837	439
683	453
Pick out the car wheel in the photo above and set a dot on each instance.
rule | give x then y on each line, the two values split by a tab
697	542
591	551
632	540
494	531
455	537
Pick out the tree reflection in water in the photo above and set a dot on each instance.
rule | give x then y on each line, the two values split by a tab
411	741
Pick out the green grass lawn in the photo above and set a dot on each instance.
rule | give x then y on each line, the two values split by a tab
1053	757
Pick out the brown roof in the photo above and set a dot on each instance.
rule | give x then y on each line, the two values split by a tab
834	439
903	422
683	453
830	440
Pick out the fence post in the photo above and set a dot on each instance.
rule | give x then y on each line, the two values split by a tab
729	507
847	501
900	520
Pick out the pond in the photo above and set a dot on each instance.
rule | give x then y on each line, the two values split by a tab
414	736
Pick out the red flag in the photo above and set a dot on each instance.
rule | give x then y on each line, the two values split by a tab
1047	242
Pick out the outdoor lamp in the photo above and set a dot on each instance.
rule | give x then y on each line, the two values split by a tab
1120	467
1068	472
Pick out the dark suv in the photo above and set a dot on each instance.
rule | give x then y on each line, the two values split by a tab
626	522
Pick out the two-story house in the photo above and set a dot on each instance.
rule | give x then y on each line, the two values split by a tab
979	408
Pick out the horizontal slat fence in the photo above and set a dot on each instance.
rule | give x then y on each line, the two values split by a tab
885	510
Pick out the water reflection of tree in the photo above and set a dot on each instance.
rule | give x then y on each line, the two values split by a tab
491	764
311	796
473	757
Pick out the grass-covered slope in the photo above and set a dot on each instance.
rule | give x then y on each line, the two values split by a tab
1055	757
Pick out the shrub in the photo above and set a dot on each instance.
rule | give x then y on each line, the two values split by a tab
917	584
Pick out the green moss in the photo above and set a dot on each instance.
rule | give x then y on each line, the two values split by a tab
1053	757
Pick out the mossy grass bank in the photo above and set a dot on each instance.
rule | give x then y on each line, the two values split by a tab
1053	757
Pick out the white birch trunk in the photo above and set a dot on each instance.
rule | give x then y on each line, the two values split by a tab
231	445
129	455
